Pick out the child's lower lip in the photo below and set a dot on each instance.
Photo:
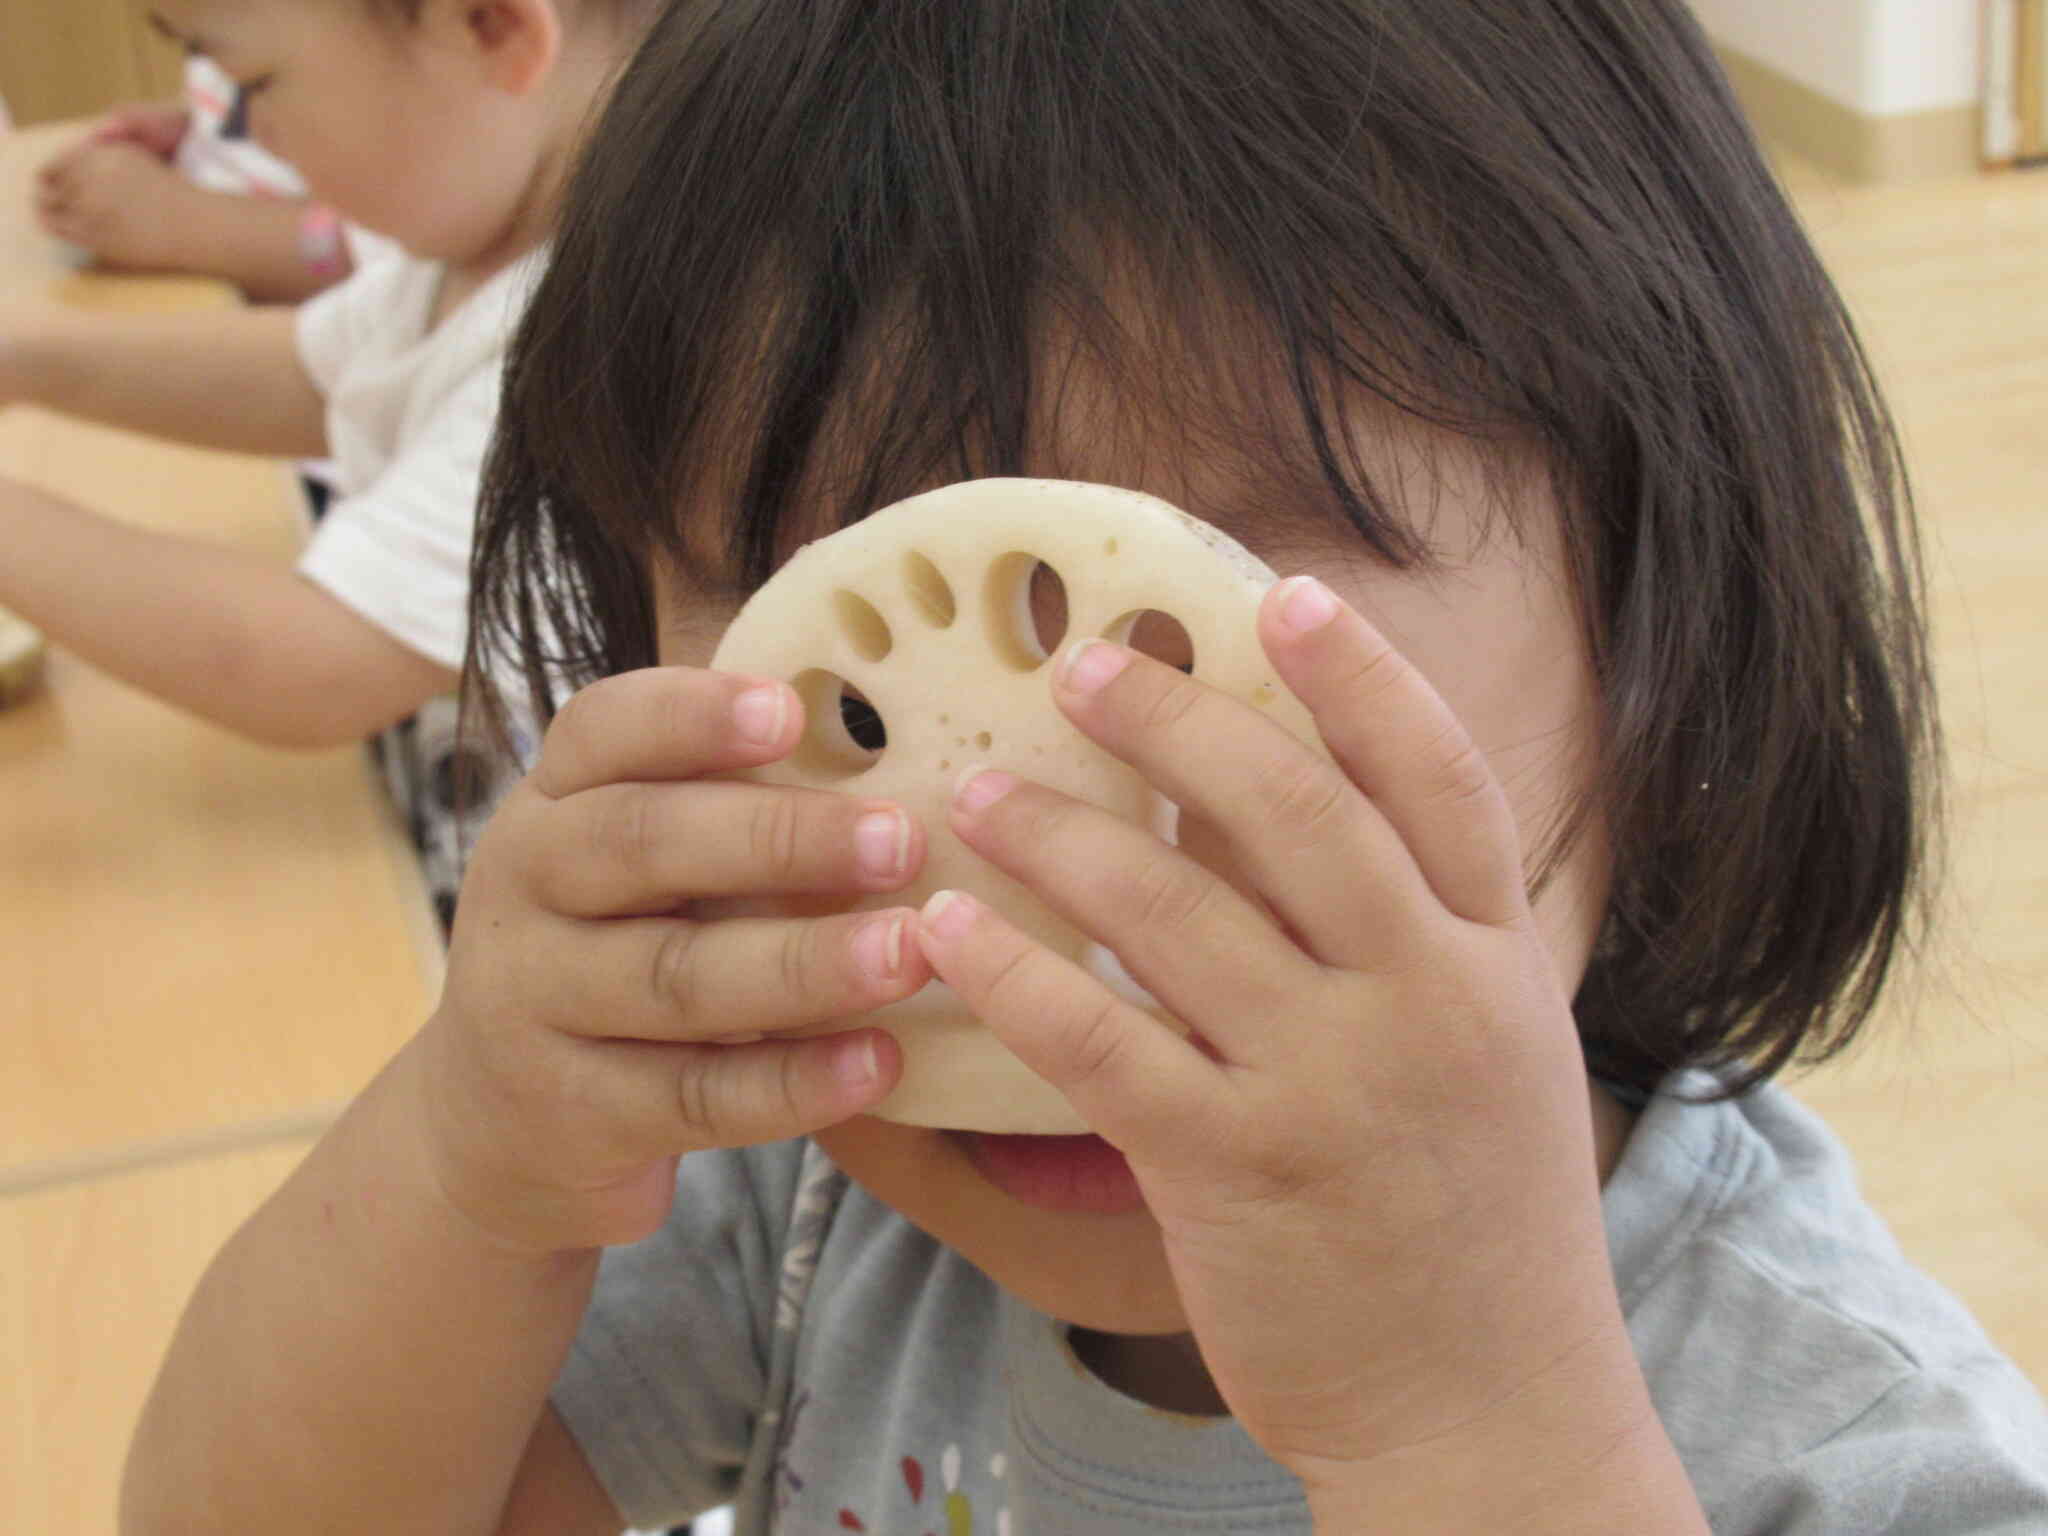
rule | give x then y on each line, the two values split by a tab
1056	1173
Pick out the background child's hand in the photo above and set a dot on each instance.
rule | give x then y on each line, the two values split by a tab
591	1031
1373	1162
117	199
159	127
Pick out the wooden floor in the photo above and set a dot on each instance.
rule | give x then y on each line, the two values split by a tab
1943	1101
1950	282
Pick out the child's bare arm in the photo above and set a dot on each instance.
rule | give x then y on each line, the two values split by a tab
374	1349
357	1357
236	637
222	378
134	212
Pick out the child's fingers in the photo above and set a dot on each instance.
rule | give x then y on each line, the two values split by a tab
1133	1079
1205	951
53	195
665	723
639	848
1403	746
157	130
677	981
1325	859
662	1100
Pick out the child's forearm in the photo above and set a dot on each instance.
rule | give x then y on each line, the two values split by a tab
256	243
222	378
233	636
1579	1450
356	1359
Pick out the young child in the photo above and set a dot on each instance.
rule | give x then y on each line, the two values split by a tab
449	127
183	188
1466	1206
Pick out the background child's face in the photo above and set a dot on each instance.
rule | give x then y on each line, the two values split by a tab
1496	629
394	125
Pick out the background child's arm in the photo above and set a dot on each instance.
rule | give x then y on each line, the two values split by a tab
236	637
131	210
373	1351
225	378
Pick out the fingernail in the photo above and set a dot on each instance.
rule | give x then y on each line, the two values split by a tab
948	914
1308	605
881	844
1091	664
858	1065
979	788
878	947
759	714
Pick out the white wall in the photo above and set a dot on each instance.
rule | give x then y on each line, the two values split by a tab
1877	57
1926	54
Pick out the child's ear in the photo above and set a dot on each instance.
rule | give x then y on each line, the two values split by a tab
517	40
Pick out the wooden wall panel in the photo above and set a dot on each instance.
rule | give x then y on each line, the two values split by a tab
72	58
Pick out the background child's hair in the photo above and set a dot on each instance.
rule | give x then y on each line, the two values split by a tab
821	255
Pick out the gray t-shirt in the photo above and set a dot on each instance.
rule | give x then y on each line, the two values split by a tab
791	1344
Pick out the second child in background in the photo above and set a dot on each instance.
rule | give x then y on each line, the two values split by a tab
449	127
181	187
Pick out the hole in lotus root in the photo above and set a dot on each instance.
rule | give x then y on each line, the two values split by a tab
1027	610
1155	634
931	596
865	628
843	733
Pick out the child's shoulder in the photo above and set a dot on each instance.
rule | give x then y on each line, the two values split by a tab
1793	1351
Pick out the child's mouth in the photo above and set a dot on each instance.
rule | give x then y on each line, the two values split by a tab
1055	1173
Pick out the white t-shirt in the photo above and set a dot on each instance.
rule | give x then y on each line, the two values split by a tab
409	418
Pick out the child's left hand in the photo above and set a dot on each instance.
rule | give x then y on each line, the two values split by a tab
1373	1164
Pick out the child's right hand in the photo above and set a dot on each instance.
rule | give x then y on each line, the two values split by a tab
576	1053
158	127
117	200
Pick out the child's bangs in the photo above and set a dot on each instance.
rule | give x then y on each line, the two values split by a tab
1107	369
1312	266
852	288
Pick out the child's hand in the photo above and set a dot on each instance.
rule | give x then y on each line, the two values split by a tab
157	127
1373	1163
118	200
577	1050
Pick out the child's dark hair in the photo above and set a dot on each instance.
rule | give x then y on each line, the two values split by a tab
815	251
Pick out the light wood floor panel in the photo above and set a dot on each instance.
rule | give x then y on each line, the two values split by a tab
140	879
95	1277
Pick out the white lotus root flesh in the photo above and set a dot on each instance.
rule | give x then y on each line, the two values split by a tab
923	612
